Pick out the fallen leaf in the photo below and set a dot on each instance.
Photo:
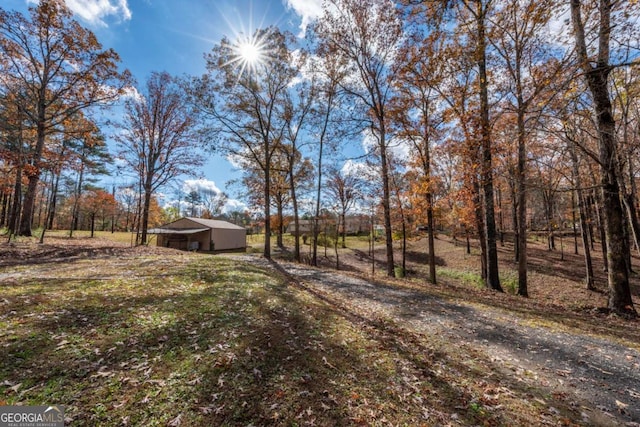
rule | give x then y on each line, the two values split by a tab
176	421
196	380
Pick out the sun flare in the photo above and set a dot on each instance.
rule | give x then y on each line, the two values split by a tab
249	52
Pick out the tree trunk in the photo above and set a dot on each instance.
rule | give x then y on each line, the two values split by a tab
296	222
514	219
343	219
267	203
42	206
279	215
34	177
14	216
145	215
431	241
585	241
323	133
573	220
500	215
335	243
590	214
76	201
28	205
493	278
4	201
522	204
386	197
613	213
373	246
548	210
631	204
601	229
481	231
404	246
53	202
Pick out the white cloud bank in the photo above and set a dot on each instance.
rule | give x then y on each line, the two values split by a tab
95	11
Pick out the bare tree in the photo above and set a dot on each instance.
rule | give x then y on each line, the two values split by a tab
158	139
367	33
344	188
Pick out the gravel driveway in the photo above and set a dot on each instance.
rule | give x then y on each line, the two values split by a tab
604	375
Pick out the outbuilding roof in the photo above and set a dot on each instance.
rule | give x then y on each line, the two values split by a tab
200	225
215	223
161	230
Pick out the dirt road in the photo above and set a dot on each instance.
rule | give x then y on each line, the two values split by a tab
600	376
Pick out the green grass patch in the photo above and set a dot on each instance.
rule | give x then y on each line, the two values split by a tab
466	277
509	282
508	279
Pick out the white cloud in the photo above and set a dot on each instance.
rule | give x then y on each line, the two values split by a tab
369	141
200	185
206	186
94	11
308	10
559	28
234	205
401	149
132	92
362	170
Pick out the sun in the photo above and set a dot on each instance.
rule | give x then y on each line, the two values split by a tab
249	52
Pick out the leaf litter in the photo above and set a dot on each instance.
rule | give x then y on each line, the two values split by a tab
201	340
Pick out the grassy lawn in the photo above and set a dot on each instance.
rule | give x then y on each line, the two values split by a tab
158	337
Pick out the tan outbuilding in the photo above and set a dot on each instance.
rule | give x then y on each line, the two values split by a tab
196	234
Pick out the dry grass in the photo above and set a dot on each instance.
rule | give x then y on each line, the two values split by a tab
152	336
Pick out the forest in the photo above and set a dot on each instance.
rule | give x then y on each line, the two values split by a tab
481	119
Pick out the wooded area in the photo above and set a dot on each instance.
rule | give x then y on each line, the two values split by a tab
483	119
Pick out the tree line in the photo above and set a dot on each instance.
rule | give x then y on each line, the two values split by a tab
481	116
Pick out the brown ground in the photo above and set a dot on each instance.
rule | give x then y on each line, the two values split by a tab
555	279
563	336
29	251
557	341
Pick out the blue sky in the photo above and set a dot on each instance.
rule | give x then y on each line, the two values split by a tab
174	35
